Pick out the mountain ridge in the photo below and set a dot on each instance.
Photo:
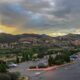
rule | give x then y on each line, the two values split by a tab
7	38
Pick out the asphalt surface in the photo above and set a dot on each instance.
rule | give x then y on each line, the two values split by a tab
23	68
67	72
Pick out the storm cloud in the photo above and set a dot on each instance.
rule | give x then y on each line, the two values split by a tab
45	15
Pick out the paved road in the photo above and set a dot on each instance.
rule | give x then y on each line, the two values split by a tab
22	68
68	72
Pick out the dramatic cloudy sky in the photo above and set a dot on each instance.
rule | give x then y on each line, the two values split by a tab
53	17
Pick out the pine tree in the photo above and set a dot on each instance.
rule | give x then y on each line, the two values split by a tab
50	61
17	59
3	67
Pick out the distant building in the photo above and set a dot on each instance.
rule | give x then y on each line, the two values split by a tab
76	42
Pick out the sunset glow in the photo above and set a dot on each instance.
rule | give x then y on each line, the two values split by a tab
52	17
7	29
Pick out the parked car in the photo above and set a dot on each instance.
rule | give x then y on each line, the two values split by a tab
42	65
73	56
12	65
37	73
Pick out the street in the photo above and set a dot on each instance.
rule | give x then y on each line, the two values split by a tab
23	68
67	72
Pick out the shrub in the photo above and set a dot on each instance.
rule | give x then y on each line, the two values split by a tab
4	76
41	65
14	76
9	76
32	67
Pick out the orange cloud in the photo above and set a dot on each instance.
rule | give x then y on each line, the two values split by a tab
6	29
15	30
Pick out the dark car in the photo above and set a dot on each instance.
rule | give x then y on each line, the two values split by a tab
42	65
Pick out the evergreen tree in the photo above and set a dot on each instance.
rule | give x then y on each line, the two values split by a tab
3	67
50	61
17	59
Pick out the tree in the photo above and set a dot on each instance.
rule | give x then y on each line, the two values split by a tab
50	52
40	55
17	59
66	57
23	59
50	61
62	58
59	59
3	67
26	57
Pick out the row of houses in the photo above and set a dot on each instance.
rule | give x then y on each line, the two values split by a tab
27	42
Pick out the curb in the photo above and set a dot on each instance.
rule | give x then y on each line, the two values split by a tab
43	69
50	68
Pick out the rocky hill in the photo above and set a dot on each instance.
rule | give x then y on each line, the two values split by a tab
9	38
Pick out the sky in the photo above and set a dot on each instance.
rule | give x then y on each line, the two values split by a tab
51	17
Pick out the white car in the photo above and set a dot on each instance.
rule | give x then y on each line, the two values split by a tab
13	65
37	73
